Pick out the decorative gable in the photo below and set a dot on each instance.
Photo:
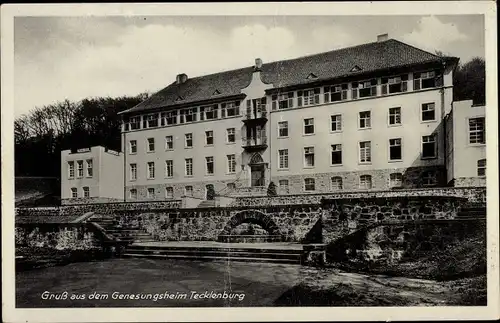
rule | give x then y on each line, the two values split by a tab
216	92
311	76
179	98
356	68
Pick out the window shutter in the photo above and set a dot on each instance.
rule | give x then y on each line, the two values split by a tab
316	95
416	84
384	88
216	108
299	98
223	110
274	98
439	80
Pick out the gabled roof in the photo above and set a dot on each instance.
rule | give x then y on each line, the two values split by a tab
369	57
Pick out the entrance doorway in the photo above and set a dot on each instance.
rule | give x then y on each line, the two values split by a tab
258	175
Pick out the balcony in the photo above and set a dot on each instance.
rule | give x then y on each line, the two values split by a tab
259	116
252	143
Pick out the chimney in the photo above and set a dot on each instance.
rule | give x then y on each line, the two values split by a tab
181	78
258	64
383	37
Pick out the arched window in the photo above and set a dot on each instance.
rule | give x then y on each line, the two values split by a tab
256	159
481	167
336	182
396	180
365	182
74	192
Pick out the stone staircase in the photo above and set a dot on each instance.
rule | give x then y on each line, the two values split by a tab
472	212
207	204
128	234
240	254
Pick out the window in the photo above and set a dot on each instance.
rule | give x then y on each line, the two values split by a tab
283	129
309	184
309	126
309	157
282	101
394	116
71	169
364	119
231	137
90	170
428	112
364	89
133	172
365	152
337	154
395	151
395	84
210	165
133	146
335	93
336	183
86	191
189	140
283	186
231	186
429	146
150	121
169	118
336	122
169	168
188	190
135	123
151	193
188	115
365	182
151	145
230	109
231	164
133	194
80	168
74	192
429	178
169	192
209	137
481	167
396	180
169	142
189	166
283	158
308	97
426	80
151	170
209	112
476	131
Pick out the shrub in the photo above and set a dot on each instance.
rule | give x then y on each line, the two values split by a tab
210	192
271	189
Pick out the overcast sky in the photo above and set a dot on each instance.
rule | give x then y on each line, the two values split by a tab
73	58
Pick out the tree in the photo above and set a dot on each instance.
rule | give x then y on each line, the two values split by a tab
271	189
469	81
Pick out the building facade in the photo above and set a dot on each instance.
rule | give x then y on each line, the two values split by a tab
91	175
369	117
466	144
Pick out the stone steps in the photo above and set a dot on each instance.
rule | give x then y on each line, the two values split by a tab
289	256
213	258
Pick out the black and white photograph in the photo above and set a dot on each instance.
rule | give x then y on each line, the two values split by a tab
334	158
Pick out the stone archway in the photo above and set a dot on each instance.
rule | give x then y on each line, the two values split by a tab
255	217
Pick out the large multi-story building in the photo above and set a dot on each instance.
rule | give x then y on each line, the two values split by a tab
369	117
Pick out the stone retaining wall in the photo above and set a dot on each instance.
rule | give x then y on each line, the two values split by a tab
56	236
473	194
